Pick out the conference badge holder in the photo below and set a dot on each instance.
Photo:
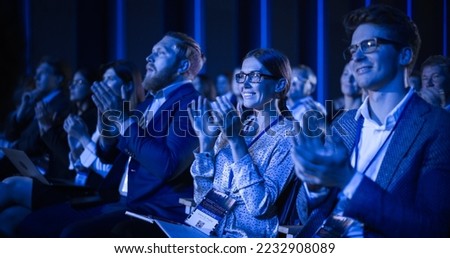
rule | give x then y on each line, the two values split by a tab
210	211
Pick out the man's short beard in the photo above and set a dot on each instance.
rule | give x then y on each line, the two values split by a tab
158	82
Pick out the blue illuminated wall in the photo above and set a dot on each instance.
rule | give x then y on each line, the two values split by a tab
92	32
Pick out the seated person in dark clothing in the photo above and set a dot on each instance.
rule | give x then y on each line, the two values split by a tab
20	195
152	152
23	130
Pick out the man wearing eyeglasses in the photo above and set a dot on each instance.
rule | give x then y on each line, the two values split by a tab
386	172
435	73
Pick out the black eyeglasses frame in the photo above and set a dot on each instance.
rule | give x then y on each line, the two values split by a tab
348	54
252	75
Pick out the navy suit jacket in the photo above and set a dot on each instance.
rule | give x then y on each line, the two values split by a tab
410	195
29	139
161	156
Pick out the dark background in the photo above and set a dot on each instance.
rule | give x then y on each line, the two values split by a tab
93	32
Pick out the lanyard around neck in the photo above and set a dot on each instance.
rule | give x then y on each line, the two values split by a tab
358	137
264	131
252	142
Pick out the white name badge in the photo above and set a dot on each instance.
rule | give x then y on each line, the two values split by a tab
210	211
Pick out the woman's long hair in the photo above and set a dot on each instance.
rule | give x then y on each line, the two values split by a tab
279	66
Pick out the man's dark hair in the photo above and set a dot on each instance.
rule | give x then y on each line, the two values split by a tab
60	68
191	50
440	60
401	28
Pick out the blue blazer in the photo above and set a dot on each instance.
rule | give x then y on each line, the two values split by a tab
410	195
161	155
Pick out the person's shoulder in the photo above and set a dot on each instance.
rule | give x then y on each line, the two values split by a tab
421	107
187	91
183	94
345	115
436	119
441	118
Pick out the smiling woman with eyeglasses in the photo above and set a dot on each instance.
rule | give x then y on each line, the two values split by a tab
247	158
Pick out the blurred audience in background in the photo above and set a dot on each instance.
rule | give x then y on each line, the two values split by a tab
44	107
205	86
435	72
415	80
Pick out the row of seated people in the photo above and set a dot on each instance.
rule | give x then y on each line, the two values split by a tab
176	144
70	141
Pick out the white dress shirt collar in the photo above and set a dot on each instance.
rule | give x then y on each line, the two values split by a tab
391	118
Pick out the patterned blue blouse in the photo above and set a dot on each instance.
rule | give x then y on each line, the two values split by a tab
255	182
